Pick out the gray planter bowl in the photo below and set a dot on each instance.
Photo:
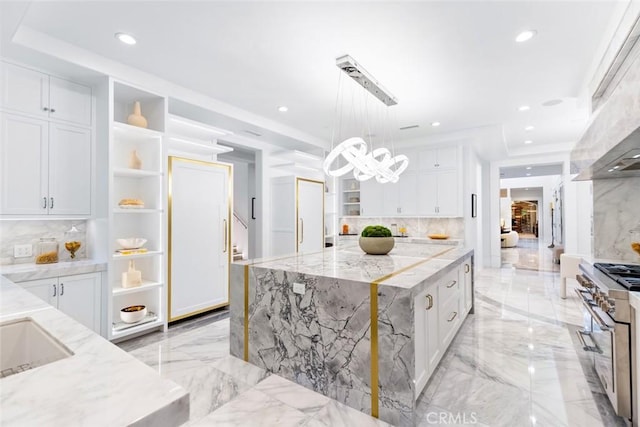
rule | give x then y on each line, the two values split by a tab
377	245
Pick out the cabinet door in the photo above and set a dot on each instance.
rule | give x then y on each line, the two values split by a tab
24	90
309	215
447	158
434	351
390	205
45	289
371	198
448	193
69	101
24	154
200	236
427	344
79	297
428	160
427	194
468	288
69	170
407	189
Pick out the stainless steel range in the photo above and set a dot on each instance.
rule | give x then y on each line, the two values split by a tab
605	295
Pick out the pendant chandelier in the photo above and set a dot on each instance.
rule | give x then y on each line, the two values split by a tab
380	163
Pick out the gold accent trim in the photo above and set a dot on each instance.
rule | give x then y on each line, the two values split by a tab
314	181
229	169
374	328
374	349
246	313
203	310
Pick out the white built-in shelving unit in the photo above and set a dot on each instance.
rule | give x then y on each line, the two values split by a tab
148	184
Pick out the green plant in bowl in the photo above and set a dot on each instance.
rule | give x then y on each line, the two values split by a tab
376	240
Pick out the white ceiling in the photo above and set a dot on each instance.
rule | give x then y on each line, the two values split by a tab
452	62
525	170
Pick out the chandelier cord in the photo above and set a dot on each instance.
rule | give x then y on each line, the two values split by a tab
337	118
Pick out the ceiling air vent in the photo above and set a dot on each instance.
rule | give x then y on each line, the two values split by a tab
252	132
409	127
613	74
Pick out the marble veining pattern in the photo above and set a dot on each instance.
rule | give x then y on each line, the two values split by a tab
94	386
20	232
24	272
614	216
513	361
416	226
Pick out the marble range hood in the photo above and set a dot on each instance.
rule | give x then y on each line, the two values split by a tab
621	161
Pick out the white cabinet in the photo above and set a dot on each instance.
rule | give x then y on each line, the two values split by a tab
51	162
37	94
298	221
390	199
78	296
353	193
438	159
199	236
427	343
438	194
467	284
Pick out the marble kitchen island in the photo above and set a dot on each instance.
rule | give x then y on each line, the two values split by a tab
365	330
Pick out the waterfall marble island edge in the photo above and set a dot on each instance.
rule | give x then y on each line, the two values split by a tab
365	330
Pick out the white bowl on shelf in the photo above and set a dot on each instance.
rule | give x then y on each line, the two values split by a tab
131	242
133	313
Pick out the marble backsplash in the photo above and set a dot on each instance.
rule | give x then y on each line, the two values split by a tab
416	227
20	232
615	214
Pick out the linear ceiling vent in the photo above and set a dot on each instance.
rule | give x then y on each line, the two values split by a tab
409	127
252	132
613	74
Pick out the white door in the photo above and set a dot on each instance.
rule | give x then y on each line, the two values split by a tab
24	90
45	289
79	297
69	101
24	158
448	194
427	194
199	236
69	170
310	215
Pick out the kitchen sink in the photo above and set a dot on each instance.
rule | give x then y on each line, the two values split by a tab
26	345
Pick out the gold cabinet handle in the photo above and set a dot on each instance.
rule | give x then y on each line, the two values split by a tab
452	284
467	268
224	221
455	313
430	302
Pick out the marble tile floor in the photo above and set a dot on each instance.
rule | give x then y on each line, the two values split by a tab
530	254
515	362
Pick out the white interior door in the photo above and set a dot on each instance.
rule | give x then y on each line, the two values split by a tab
200	235
310	215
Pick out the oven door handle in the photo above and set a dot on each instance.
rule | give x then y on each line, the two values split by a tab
593	348
603	326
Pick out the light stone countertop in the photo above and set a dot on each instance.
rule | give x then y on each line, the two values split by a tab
24	272
348	262
99	385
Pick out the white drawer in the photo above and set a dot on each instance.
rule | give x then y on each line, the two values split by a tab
448	287
449	320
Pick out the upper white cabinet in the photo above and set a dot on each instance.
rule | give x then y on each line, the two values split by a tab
46	167
438	159
37	94
438	193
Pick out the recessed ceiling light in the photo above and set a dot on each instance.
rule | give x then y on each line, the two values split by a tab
528	168
525	35
435	124
528	174
528	141
552	102
126	38
529	128
523	108
283	109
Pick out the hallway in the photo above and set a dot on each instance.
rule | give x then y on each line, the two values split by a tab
529	254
